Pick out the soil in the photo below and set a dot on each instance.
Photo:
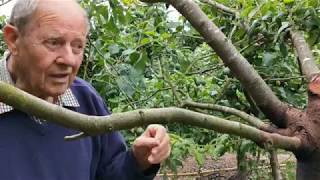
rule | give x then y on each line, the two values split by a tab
223	168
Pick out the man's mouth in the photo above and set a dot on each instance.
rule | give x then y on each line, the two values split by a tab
60	78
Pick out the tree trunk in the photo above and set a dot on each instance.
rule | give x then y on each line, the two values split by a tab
308	167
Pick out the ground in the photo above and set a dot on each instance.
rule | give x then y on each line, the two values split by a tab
225	167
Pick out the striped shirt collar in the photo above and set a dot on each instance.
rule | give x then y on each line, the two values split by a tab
67	99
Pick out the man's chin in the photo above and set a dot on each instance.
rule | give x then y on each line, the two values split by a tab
58	91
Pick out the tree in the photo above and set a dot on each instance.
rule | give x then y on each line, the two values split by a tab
292	129
3	2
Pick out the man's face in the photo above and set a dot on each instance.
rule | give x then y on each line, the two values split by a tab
50	51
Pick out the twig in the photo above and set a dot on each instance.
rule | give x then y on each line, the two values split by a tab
204	70
3	2
256	122
153	94
209	172
275	166
221	7
168	80
284	78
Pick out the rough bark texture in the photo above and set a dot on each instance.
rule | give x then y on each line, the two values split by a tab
93	125
308	157
307	126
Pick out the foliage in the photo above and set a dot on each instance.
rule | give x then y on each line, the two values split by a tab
2	44
136	53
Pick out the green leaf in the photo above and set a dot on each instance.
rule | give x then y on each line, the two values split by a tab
219	150
283	49
199	157
282	92
268	58
144	41
245	146
140	64
114	49
130	80
128	52
288	1
125	85
284	26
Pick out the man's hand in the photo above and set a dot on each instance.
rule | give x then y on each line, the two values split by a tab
152	147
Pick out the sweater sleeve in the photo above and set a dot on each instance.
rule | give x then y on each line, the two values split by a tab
119	163
114	160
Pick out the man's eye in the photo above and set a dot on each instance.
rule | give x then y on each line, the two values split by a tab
77	48
52	43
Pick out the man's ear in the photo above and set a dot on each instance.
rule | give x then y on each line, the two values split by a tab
11	34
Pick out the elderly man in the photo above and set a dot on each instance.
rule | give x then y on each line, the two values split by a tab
46	41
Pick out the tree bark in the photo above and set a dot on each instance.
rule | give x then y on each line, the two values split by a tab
252	120
94	125
306	59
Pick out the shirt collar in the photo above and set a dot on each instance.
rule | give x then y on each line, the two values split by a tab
67	99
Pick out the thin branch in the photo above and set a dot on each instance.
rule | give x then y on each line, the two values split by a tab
221	7
306	59
202	71
94	125
4	2
284	78
275	166
212	171
167	79
252	120
149	97
227	10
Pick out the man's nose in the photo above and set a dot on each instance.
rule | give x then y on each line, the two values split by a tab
67	57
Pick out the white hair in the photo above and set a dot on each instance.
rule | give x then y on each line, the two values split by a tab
23	11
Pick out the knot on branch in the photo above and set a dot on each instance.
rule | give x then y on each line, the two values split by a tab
268	144
110	128
142	117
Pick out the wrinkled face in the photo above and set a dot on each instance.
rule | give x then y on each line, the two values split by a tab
50	51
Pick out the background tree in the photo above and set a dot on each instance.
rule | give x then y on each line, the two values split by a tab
138	58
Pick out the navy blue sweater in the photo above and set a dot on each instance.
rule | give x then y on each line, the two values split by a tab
34	151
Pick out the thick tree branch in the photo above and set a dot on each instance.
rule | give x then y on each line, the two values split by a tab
265	99
94	125
306	59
